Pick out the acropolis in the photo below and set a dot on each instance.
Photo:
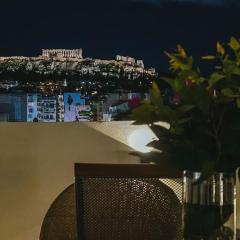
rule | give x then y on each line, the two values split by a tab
62	53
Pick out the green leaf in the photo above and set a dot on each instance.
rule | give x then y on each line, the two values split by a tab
170	81
200	119
220	48
234	44
238	103
176	130
215	77
209	57
185	108
156	97
144	114
198	96
175	83
184	120
228	92
236	71
166	114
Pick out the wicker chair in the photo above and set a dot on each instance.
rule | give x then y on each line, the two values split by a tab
60	220
127	202
120	202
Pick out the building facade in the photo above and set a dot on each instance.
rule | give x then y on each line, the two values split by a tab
120	107
41	109
60	108
62	53
130	60
49	109
140	63
13	107
126	59
34	107
84	113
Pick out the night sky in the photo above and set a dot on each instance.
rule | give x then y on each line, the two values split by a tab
104	28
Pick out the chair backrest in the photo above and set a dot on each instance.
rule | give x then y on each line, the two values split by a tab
60	222
128	202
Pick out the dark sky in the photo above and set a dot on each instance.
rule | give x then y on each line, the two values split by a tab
104	28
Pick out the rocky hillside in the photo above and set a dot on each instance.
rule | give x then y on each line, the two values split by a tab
46	66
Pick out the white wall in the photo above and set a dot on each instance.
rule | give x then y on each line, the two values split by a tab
36	164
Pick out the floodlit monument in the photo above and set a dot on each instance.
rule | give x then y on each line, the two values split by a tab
62	53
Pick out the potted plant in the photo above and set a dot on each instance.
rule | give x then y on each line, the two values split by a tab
203	137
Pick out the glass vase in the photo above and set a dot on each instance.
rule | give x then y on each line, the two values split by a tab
209	207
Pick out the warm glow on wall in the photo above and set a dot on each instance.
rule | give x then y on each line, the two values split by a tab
139	138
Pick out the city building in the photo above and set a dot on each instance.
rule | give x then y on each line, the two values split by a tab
125	95
60	108
41	109
107	117
111	98
62	53
49	110
121	102
84	113
13	107
34	107
4	112
130	60
72	102
151	71
140	63
7	84
126	59
117	108
69	107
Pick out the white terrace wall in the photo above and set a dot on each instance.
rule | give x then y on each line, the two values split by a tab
36	165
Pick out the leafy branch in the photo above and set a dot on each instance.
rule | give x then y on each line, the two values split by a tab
204	126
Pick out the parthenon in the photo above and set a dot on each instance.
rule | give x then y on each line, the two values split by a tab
62	53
